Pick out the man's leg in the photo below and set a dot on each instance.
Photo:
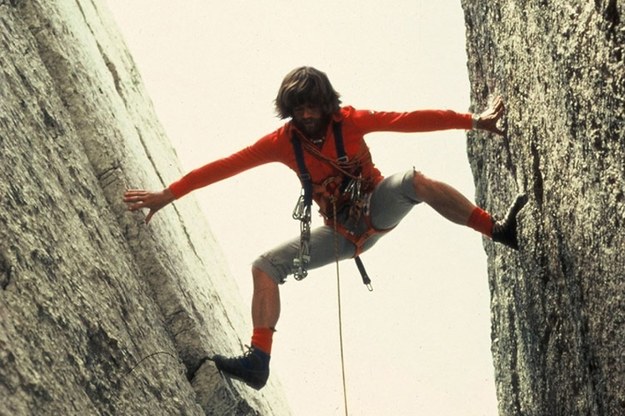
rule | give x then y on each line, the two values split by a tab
454	206
268	271
253	367
265	309
265	301
445	199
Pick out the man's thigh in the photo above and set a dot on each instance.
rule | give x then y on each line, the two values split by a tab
392	200
326	247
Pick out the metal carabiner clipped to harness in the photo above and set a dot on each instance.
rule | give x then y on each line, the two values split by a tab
300	207
302	212
354	189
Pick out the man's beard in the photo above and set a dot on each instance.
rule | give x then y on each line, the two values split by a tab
313	128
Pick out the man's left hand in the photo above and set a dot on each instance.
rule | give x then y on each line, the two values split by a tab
489	118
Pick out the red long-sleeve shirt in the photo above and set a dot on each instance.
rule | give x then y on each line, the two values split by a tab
277	146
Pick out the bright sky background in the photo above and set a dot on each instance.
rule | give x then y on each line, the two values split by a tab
420	343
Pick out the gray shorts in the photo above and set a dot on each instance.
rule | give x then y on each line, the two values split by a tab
390	201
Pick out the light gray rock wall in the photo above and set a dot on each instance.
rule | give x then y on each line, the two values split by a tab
558	305
100	314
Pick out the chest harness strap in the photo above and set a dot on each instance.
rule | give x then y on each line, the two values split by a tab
302	211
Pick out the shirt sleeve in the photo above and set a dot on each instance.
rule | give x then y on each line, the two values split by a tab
411	122
261	152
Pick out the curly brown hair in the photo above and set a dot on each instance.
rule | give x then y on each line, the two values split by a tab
306	85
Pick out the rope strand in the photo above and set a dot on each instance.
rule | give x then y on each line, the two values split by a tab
340	315
346	168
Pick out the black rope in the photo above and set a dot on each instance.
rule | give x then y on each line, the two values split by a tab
150	356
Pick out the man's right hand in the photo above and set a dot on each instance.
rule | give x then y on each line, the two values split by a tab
139	199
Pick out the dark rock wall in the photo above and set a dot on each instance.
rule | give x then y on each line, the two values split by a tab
100	314
558	305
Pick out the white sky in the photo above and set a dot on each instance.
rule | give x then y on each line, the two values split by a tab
420	343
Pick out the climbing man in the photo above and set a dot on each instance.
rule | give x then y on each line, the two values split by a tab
324	144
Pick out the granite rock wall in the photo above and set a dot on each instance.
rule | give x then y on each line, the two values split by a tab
558	304
99	313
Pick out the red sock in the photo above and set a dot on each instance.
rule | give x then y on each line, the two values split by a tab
481	221
262	339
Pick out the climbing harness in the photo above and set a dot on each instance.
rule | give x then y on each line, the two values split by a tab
347	191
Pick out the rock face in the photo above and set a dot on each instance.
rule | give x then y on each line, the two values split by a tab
558	305
100	314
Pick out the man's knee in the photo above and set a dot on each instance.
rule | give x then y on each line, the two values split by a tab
422	185
262	279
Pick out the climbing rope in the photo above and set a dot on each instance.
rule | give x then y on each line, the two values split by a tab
340	315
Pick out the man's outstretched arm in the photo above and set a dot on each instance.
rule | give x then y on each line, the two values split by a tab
429	120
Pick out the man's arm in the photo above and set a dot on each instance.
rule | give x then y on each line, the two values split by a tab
263	151
429	120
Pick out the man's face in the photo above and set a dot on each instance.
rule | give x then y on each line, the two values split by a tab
310	120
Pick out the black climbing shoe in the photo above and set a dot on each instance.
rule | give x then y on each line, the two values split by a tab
252	368
504	231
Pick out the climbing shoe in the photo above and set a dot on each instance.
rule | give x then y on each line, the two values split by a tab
504	231
252	368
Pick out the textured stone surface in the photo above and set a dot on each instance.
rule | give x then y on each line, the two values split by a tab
100	314
558	305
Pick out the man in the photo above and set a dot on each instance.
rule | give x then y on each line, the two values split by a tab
323	143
